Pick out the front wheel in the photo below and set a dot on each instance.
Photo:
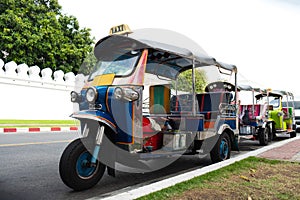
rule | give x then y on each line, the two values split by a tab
76	169
263	136
222	149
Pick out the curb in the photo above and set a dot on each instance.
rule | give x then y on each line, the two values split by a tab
136	191
38	129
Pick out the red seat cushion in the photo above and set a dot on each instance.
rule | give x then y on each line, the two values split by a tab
147	125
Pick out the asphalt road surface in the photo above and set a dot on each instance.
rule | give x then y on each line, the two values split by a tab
29	168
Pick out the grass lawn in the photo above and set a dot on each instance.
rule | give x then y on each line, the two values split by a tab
6	123
252	178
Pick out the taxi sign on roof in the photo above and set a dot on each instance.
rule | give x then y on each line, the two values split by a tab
120	30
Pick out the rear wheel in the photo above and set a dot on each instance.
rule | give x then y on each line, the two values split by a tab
293	134
76	169
222	149
263	135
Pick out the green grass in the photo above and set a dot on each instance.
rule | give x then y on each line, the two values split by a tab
229	182
41	123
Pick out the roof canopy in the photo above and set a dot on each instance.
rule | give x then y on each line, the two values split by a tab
270	94
249	88
275	93
164	60
220	86
226	66
282	92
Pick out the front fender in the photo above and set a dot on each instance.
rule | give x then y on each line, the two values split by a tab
233	134
96	115
222	128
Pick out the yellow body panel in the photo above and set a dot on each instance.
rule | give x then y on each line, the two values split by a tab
105	79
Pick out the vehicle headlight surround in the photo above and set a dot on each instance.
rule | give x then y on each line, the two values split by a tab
126	93
91	94
118	93
130	94
75	97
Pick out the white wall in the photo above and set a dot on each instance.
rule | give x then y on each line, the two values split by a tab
31	93
24	94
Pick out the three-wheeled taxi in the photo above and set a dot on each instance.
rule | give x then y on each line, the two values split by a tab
282	119
254	123
134	117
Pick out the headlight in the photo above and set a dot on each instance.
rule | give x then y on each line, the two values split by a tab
91	95
127	94
118	93
75	97
130	94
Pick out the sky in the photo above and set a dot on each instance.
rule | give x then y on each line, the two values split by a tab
260	37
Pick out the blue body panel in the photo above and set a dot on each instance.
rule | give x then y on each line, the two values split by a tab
229	121
83	105
102	90
125	123
194	124
117	114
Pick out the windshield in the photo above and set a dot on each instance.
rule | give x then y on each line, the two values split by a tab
274	102
122	66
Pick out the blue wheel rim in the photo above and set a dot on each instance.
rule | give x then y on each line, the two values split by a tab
82	165
224	149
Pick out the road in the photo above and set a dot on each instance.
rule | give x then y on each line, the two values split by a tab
29	168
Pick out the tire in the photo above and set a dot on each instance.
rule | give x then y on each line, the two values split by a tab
222	149
294	127
271	135
72	170
293	134
263	136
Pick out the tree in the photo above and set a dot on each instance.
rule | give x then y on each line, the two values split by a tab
88	64
35	32
184	81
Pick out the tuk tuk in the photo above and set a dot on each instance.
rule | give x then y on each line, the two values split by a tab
134	118
253	120
281	119
229	106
